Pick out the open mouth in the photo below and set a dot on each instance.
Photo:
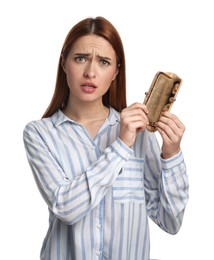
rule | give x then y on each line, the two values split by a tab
88	87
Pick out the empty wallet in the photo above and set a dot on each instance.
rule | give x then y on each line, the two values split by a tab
161	96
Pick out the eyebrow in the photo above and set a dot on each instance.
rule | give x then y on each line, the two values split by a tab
88	55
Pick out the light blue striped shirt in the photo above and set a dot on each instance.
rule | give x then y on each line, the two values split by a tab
100	192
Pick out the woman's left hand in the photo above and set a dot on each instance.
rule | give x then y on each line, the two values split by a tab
171	130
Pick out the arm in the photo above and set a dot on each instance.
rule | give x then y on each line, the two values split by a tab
72	200
166	180
166	188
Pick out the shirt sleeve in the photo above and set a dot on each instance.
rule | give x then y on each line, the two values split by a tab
166	187
72	200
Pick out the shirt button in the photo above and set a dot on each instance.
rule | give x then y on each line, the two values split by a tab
98	226
98	253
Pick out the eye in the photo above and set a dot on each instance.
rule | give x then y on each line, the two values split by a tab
104	62
80	59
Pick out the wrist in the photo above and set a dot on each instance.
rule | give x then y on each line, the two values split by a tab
166	156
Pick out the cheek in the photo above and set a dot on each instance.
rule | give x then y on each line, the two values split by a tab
71	74
108	78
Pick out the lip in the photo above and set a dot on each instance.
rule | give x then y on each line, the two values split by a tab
88	87
88	84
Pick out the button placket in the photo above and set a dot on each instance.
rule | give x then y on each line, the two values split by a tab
99	231
98	226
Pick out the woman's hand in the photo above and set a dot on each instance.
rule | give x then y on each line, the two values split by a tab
171	129
133	119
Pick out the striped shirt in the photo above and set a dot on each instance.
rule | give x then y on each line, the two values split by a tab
100	192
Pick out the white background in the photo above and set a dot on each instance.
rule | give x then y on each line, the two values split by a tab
164	35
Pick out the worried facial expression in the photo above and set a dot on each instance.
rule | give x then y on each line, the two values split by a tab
90	68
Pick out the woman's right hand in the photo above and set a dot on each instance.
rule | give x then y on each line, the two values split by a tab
133	120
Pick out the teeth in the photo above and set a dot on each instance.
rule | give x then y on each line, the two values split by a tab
88	86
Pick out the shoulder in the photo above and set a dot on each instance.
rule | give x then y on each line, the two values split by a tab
36	124
40	125
34	130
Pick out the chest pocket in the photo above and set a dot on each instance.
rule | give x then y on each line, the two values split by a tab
129	185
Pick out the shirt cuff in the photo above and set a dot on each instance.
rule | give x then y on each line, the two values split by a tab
121	149
172	162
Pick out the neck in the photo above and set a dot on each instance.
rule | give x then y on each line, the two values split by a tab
86	112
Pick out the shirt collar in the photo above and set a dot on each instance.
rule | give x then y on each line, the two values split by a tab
114	116
59	117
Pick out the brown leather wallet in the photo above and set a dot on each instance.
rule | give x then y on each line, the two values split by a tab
161	96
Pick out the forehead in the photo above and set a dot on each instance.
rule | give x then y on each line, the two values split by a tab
93	43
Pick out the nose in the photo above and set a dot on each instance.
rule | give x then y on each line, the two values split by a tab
90	70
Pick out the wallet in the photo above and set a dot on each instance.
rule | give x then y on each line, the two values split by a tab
161	96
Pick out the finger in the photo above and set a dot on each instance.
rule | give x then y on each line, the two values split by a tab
164	136
174	118
166	132
172	122
137	118
164	123
141	126
137	126
140	106
134	114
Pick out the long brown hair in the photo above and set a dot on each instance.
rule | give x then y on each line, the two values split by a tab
116	95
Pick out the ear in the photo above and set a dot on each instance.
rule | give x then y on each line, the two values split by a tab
116	73
63	62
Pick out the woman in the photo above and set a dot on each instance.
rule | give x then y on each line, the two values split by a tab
99	170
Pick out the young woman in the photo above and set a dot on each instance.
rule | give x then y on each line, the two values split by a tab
99	170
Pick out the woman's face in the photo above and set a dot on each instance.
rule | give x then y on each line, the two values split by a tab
90	68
